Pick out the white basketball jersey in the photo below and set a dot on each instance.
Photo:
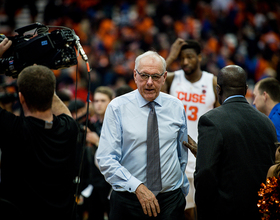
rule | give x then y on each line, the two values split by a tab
197	98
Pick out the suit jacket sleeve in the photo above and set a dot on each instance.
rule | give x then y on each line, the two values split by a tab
210	142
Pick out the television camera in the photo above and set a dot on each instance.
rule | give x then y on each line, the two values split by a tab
55	49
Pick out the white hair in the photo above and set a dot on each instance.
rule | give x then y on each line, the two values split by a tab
150	53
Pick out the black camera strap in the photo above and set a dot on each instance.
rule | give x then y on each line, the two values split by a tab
77	194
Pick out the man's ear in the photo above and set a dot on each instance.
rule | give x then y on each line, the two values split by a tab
246	88
199	56
165	75
266	95
134	75
21	98
219	90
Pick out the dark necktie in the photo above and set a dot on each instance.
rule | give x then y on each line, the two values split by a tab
153	154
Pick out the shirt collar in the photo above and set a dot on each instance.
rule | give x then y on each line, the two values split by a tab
142	102
273	110
233	96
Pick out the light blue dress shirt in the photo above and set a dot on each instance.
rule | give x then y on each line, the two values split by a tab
122	149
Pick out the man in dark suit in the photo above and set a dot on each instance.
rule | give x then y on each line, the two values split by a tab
235	150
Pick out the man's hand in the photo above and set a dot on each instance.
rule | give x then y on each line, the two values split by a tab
92	137
175	51
191	145
4	45
147	200
277	154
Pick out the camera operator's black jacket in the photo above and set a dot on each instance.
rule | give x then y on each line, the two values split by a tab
37	166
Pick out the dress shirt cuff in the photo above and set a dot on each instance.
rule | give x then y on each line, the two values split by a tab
132	184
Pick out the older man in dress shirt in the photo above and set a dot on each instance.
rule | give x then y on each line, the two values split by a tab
123	147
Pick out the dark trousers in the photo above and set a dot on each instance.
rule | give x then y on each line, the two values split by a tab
126	206
99	203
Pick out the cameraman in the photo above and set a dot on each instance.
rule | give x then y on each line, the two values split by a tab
38	150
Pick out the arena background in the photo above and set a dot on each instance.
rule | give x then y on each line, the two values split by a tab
113	33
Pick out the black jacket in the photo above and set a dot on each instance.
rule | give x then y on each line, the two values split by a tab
235	150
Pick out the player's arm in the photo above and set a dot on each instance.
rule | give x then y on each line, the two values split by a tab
166	86
172	56
175	51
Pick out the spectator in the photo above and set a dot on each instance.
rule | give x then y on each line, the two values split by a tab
114	34
267	100
78	110
12	6
102	97
96	204
98	201
123	90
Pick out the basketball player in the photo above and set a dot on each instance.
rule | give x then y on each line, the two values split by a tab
197	90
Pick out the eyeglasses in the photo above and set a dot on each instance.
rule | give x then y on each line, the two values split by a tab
144	76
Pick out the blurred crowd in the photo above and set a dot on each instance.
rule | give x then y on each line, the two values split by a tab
242	32
114	33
